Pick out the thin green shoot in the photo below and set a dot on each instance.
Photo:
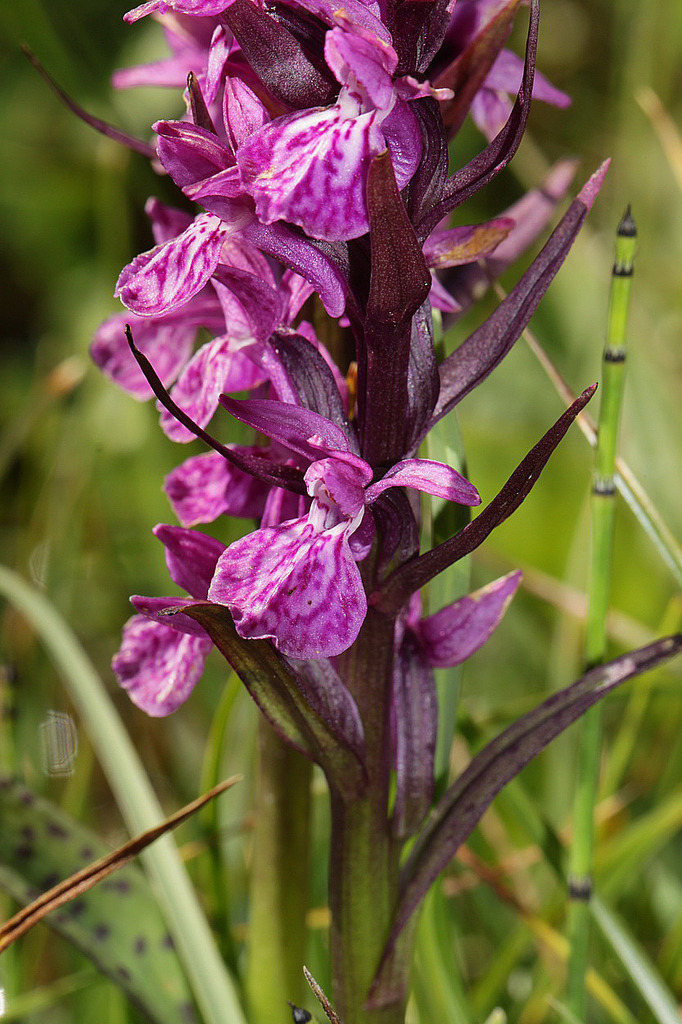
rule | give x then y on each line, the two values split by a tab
599	585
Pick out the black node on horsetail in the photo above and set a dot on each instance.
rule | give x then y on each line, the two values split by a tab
603	514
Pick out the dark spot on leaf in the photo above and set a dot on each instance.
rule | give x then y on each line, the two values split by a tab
87	853
28	833
77	908
167	942
56	830
188	1014
101	932
23	852
121	885
123	973
27	798
140	945
49	881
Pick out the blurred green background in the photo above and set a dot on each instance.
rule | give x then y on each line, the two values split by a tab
81	467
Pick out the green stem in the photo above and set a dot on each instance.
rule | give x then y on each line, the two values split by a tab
603	514
210	982
364	856
279	892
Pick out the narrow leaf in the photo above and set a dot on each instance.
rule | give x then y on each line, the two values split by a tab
497	154
278	58
476	357
419	571
466	73
643	973
460	809
103	127
87	877
118	923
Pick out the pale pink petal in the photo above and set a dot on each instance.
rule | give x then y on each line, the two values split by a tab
191	557
167	276
201	8
355	55
167	345
218	366
158	666
454	633
207	486
293	585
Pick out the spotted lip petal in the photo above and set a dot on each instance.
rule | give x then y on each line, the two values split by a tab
218	366
158	666
170	274
294	585
206	486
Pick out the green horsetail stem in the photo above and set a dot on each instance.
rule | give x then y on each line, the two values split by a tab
603	513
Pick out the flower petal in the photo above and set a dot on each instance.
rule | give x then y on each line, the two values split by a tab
310	168
301	430
455	633
424	475
190	556
206	486
167	276
294	585
158	666
218	366
167	345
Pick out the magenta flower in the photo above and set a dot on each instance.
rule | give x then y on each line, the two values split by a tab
298	583
310	167
162	657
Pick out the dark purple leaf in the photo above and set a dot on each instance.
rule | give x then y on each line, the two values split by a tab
422	377
288	477
486	165
419	571
314	711
418	31
312	380
278	58
326	694
467	71
476	357
399	284
197	104
458	812
400	280
428	182
415	716
530	214
397	524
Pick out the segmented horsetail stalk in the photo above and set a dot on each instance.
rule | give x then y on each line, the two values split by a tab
603	512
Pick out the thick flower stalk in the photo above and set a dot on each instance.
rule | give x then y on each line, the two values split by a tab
315	145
